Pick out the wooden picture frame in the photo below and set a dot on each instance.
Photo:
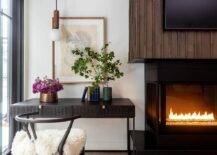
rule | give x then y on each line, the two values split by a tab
98	32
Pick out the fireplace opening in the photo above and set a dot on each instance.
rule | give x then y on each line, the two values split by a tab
191	105
181	104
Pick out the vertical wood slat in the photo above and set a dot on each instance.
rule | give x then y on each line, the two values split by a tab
149	30
166	45
157	28
134	16
142	35
190	45
206	45
134	29
131	36
214	44
133	19
150	40
137	9
130	54
198	45
174	44
181	44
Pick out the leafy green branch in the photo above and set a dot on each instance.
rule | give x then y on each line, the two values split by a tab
101	67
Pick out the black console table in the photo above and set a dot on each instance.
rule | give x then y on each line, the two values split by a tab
118	108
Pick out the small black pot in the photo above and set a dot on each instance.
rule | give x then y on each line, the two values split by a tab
94	96
107	94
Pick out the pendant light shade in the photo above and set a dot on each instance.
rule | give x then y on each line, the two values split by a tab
55	35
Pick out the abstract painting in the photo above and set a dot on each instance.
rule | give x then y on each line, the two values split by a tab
76	33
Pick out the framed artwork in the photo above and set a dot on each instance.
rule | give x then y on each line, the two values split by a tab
76	32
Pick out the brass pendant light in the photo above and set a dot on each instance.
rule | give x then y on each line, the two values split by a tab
55	33
55	19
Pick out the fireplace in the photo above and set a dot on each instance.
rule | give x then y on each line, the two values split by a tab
191	105
181	104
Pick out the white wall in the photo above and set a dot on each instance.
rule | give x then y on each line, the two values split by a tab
105	134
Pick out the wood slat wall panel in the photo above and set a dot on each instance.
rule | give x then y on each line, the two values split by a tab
166	45
143	43
206	45
149	30
132	28
157	28
130	54
137	28
198	45
148	39
181	44
214	44
190	41
174	44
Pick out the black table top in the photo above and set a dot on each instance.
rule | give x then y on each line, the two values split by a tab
117	108
75	101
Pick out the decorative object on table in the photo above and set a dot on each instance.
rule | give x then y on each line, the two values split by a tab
48	97
84	94
110	71
86	65
47	88
76	32
107	94
99	67
93	94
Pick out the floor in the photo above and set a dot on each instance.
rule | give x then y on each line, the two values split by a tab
105	153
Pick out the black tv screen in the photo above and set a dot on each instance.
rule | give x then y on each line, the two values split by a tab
190	14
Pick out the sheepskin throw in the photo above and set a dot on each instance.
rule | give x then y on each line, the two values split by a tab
47	142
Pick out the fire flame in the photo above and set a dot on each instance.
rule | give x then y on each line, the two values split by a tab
195	116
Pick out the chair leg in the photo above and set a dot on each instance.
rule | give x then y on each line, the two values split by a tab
8	153
65	136
82	152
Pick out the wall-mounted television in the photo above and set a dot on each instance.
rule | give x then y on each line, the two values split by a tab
190	14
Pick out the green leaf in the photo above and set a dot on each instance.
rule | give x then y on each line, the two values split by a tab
102	66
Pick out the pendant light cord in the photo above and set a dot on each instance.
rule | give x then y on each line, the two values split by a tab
56	4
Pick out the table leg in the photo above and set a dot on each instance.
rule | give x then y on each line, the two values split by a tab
14	126
128	136
133	124
133	132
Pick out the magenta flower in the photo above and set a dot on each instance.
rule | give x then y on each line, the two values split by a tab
46	86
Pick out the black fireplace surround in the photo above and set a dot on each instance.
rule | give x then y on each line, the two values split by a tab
181	104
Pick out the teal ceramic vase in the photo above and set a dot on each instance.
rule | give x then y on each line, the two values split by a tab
107	94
